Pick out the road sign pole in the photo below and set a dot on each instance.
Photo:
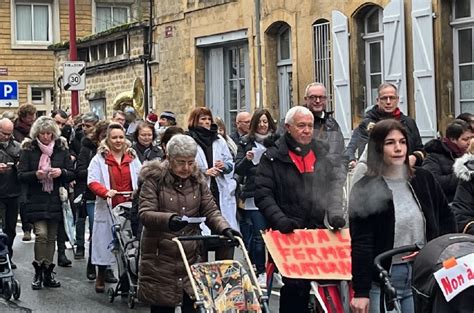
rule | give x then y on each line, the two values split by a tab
73	53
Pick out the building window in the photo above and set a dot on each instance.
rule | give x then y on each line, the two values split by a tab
104	52
98	107
463	55
285	69
235	82
41	96
373	38
33	23
109	16
322	57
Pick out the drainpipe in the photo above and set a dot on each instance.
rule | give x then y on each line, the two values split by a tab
259	55
73	53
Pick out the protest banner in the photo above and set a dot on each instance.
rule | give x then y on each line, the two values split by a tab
316	254
457	278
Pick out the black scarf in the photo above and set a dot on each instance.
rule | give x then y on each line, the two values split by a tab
204	138
296	147
145	151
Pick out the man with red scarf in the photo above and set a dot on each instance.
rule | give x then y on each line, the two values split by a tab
387	107
444	151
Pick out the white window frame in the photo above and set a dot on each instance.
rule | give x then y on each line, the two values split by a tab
53	25
283	62
457	25
48	94
371	38
111	6
322	57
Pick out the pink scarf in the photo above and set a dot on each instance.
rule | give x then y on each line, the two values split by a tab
45	165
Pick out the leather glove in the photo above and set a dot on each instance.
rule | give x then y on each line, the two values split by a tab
231	234
336	221
176	223
286	225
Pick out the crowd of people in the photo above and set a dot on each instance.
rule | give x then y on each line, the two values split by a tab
284	176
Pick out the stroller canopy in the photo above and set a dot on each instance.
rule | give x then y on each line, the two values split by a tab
427	294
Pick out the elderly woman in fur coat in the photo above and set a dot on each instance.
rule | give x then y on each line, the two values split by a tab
45	165
170	190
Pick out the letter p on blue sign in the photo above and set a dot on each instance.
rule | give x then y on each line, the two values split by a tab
8	93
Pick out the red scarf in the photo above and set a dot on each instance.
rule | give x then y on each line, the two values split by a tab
305	164
396	114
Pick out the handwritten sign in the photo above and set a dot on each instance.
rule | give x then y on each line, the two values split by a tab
455	279
311	254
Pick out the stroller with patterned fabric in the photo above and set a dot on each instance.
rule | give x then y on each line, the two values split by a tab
224	286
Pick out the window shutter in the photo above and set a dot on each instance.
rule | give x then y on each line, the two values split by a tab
215	81
394	49
423	68
342	89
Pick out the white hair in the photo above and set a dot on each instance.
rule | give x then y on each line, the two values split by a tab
44	124
181	146
290	115
318	84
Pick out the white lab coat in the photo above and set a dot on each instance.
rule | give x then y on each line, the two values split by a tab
102	230
225	182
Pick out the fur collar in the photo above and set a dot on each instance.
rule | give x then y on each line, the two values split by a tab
460	168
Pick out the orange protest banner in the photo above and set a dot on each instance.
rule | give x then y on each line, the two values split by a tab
316	254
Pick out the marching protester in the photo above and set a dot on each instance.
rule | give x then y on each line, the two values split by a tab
296	187
463	203
9	191
221	130
22	125
386	108
162	279
111	171
93	136
167	119
260	136
144	143
242	124
45	165
444	151
393	205
215	162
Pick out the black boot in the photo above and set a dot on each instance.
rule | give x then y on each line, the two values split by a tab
109	276
63	261
48	276
38	278
90	271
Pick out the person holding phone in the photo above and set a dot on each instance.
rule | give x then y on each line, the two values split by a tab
45	165
9	191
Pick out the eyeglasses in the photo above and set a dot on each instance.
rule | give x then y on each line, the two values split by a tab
386	98
313	97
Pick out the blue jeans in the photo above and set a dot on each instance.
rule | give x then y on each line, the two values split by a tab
81	223
253	238
401	280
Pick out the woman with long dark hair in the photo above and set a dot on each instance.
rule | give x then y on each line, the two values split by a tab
261	135
393	205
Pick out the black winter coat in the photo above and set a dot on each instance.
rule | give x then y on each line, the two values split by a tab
463	203
245	168
42	205
282	192
9	185
328	130
439	162
360	136
372	222
153	153
87	152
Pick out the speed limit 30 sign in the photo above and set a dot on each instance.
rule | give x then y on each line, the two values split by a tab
74	75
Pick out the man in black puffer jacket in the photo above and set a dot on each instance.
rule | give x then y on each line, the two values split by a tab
387	107
298	187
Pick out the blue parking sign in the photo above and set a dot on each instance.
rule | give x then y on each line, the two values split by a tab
8	93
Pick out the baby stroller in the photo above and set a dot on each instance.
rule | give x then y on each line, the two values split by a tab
8	284
125	246
427	294
224	286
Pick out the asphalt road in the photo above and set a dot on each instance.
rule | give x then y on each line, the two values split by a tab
76	293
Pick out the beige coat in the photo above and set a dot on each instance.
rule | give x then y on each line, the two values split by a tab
162	276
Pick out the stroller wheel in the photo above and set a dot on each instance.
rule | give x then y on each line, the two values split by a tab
7	289
131	300
16	289
111	294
